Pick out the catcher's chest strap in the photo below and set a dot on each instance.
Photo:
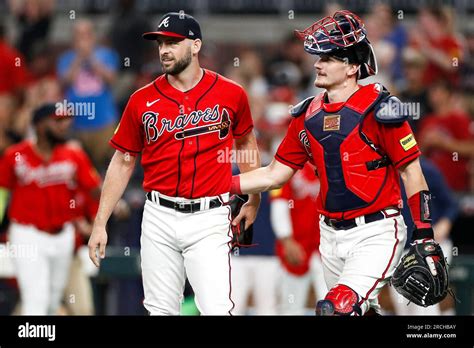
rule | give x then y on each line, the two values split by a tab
378	163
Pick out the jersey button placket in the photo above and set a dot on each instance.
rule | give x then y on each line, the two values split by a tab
188	110
186	102
181	154
188	143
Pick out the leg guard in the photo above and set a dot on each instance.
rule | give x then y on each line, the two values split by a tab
340	300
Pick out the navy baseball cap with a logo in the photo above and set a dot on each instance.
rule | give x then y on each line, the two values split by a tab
176	24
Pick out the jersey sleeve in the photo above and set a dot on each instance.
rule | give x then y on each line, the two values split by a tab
87	176
399	143
291	151
243	122
7	178
128	137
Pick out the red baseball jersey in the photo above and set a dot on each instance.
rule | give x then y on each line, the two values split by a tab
43	192
185	138
301	193
330	136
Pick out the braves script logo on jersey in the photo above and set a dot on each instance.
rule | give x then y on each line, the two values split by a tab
53	174
304	140
150	124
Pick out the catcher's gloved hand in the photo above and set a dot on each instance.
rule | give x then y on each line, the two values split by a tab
422	275
241	237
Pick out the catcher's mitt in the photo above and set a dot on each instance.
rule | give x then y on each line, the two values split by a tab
422	275
241	237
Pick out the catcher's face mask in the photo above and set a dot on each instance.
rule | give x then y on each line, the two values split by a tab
342	35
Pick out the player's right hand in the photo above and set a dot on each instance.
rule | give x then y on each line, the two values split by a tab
293	251
98	240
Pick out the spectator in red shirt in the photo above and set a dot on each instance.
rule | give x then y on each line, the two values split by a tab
435	40
14	74
14	77
447	136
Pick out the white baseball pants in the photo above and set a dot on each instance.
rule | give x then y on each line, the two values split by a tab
364	257
42	266
175	245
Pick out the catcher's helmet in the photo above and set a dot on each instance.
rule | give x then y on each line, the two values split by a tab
343	36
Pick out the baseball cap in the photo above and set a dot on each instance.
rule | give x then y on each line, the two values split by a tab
176	24
49	110
43	111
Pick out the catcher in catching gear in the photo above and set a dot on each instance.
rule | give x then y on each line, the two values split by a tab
358	138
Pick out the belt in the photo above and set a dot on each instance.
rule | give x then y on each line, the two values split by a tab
351	223
183	207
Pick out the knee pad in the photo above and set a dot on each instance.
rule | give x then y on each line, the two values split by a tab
340	300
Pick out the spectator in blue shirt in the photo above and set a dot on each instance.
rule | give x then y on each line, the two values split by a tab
87	72
393	32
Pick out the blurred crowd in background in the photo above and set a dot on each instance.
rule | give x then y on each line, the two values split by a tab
427	60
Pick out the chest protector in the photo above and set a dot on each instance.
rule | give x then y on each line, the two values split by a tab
352	169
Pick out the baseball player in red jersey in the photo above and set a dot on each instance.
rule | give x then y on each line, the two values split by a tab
298	240
360	142
43	176
183	124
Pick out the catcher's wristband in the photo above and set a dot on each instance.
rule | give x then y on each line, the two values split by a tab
422	235
420	208
235	185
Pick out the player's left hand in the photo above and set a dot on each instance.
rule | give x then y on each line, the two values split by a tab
293	251
248	211
98	240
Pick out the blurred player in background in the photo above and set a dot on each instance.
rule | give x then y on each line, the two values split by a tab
255	270
297	246
43	176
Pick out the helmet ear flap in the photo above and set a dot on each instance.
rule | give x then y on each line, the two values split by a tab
365	53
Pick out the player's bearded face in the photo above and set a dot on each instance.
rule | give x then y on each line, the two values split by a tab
173	65
57	131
